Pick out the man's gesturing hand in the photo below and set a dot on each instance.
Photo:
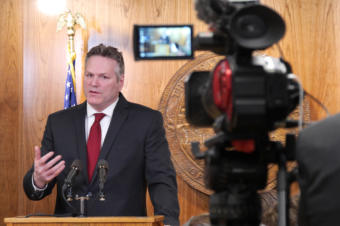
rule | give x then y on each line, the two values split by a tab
46	170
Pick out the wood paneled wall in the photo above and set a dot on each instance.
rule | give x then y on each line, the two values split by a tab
10	104
311	45
33	71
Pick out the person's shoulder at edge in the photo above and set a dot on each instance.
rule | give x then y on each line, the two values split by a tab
328	120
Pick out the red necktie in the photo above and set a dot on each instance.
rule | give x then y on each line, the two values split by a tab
93	144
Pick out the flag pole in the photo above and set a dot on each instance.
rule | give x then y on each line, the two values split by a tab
70	21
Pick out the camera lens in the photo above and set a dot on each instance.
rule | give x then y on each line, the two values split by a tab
250	26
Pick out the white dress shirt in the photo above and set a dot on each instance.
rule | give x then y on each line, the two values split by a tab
104	123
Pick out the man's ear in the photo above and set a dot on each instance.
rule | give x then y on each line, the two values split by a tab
121	82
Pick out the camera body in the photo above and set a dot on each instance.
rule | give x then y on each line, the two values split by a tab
254	93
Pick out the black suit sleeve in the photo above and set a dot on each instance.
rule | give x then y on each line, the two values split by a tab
47	145
160	173
318	155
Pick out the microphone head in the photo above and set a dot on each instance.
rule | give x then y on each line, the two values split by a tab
76	164
74	170
103	164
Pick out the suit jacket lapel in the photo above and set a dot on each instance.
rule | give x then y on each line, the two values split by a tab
79	120
118	118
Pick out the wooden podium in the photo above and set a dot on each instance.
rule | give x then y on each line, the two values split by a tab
85	221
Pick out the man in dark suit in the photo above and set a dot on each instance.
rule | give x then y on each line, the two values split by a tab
132	141
318	157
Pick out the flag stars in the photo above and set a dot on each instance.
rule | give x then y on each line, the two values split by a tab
70	96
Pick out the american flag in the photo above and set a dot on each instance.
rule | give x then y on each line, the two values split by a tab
70	99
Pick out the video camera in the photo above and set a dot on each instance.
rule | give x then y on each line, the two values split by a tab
243	98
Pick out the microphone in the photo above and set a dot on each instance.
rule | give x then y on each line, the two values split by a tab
75	168
103	167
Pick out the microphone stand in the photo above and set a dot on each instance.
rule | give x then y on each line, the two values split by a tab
69	198
82	200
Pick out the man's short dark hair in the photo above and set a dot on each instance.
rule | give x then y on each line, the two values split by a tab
110	52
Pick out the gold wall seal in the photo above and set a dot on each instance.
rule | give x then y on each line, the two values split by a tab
180	133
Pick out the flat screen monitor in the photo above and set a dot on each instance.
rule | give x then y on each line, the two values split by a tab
163	42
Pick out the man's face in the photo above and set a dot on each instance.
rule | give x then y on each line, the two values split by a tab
101	85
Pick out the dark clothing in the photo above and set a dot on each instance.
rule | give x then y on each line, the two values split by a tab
318	157
138	155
